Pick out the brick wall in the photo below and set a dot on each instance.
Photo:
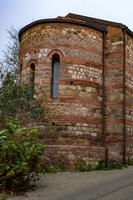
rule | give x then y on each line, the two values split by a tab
129	95
80	109
114	63
80	73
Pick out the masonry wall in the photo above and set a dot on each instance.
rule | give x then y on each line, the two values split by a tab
129	96
114	93
81	128
78	109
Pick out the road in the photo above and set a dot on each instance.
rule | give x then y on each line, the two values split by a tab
96	185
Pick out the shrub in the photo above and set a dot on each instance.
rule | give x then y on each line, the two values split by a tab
130	162
100	165
111	165
56	164
82	166
115	165
21	158
3	197
52	169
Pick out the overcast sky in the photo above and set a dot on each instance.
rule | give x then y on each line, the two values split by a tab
18	13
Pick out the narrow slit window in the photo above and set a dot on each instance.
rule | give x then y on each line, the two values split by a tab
55	75
32	75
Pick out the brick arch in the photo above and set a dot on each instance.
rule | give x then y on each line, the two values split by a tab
32	61
55	51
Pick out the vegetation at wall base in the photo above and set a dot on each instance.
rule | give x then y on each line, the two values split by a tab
82	166
58	164
111	165
52	169
21	158
130	162
100	165
2	196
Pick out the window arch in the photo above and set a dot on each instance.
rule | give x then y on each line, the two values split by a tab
55	75
32	75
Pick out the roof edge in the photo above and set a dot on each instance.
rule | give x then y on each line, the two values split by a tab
95	20
61	20
100	21
71	18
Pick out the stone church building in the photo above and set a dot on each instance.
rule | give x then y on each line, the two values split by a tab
85	66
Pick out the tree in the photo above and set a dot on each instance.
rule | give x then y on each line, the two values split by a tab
11	54
10	62
1	72
17	101
21	152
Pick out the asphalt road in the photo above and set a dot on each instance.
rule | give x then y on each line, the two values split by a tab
96	185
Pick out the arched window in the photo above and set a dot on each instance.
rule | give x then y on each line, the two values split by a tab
55	75
32	75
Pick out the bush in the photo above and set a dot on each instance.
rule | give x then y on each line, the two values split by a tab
82	166
115	165
111	165
21	158
52	169
130	162
3	197
56	164
100	165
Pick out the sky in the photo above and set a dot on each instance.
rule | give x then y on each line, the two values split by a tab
18	13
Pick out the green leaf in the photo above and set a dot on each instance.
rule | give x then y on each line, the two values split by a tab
10	173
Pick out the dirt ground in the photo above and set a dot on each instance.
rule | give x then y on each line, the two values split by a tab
96	185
